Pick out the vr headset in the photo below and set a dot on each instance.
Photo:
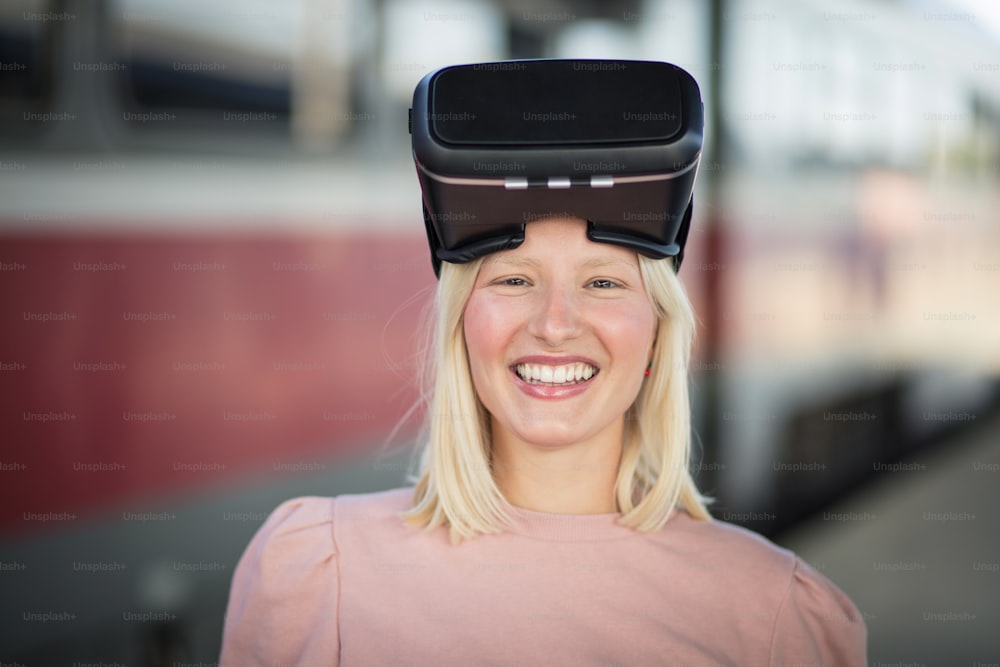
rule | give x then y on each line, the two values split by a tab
498	145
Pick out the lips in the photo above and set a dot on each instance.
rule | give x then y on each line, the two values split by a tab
571	373
553	377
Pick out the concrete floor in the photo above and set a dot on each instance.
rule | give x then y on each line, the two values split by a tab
920	555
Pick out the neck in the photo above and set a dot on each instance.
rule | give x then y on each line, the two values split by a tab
574	479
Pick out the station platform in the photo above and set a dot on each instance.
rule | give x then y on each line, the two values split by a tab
919	553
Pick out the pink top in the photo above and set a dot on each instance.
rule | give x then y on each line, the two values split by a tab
345	582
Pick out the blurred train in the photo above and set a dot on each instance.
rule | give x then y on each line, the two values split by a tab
213	270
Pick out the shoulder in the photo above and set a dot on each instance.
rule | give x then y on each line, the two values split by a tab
293	541
729	548
378	506
817	621
306	529
732	566
286	574
369	523
285	589
805	617
298	518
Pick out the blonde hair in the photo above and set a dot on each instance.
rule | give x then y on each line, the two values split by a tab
454	485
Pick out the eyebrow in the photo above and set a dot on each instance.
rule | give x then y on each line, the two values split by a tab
512	261
595	263
598	262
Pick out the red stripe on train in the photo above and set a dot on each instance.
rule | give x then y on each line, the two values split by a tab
132	367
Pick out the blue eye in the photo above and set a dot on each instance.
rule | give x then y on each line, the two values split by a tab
604	283
513	282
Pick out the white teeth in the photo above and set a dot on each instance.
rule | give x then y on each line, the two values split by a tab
569	373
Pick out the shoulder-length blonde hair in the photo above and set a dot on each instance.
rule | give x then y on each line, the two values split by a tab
454	485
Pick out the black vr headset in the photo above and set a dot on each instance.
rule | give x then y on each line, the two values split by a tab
497	145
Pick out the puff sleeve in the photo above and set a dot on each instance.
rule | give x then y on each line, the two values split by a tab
817	624
284	594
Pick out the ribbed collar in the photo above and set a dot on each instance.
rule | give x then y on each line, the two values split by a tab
567	527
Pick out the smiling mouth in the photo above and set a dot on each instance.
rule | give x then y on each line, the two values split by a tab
569	374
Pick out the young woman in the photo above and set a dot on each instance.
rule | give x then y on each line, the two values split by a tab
553	520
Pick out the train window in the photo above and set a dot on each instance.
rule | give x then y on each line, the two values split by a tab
221	65
26	36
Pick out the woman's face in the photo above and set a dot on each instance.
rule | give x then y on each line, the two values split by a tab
559	333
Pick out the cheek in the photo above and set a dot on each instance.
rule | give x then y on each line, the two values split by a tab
629	332
483	325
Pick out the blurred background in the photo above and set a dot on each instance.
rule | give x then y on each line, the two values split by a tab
213	266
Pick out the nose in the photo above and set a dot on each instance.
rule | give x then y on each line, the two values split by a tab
556	318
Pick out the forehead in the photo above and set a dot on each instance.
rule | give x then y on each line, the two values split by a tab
563	238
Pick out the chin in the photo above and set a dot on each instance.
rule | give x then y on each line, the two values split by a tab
552	437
